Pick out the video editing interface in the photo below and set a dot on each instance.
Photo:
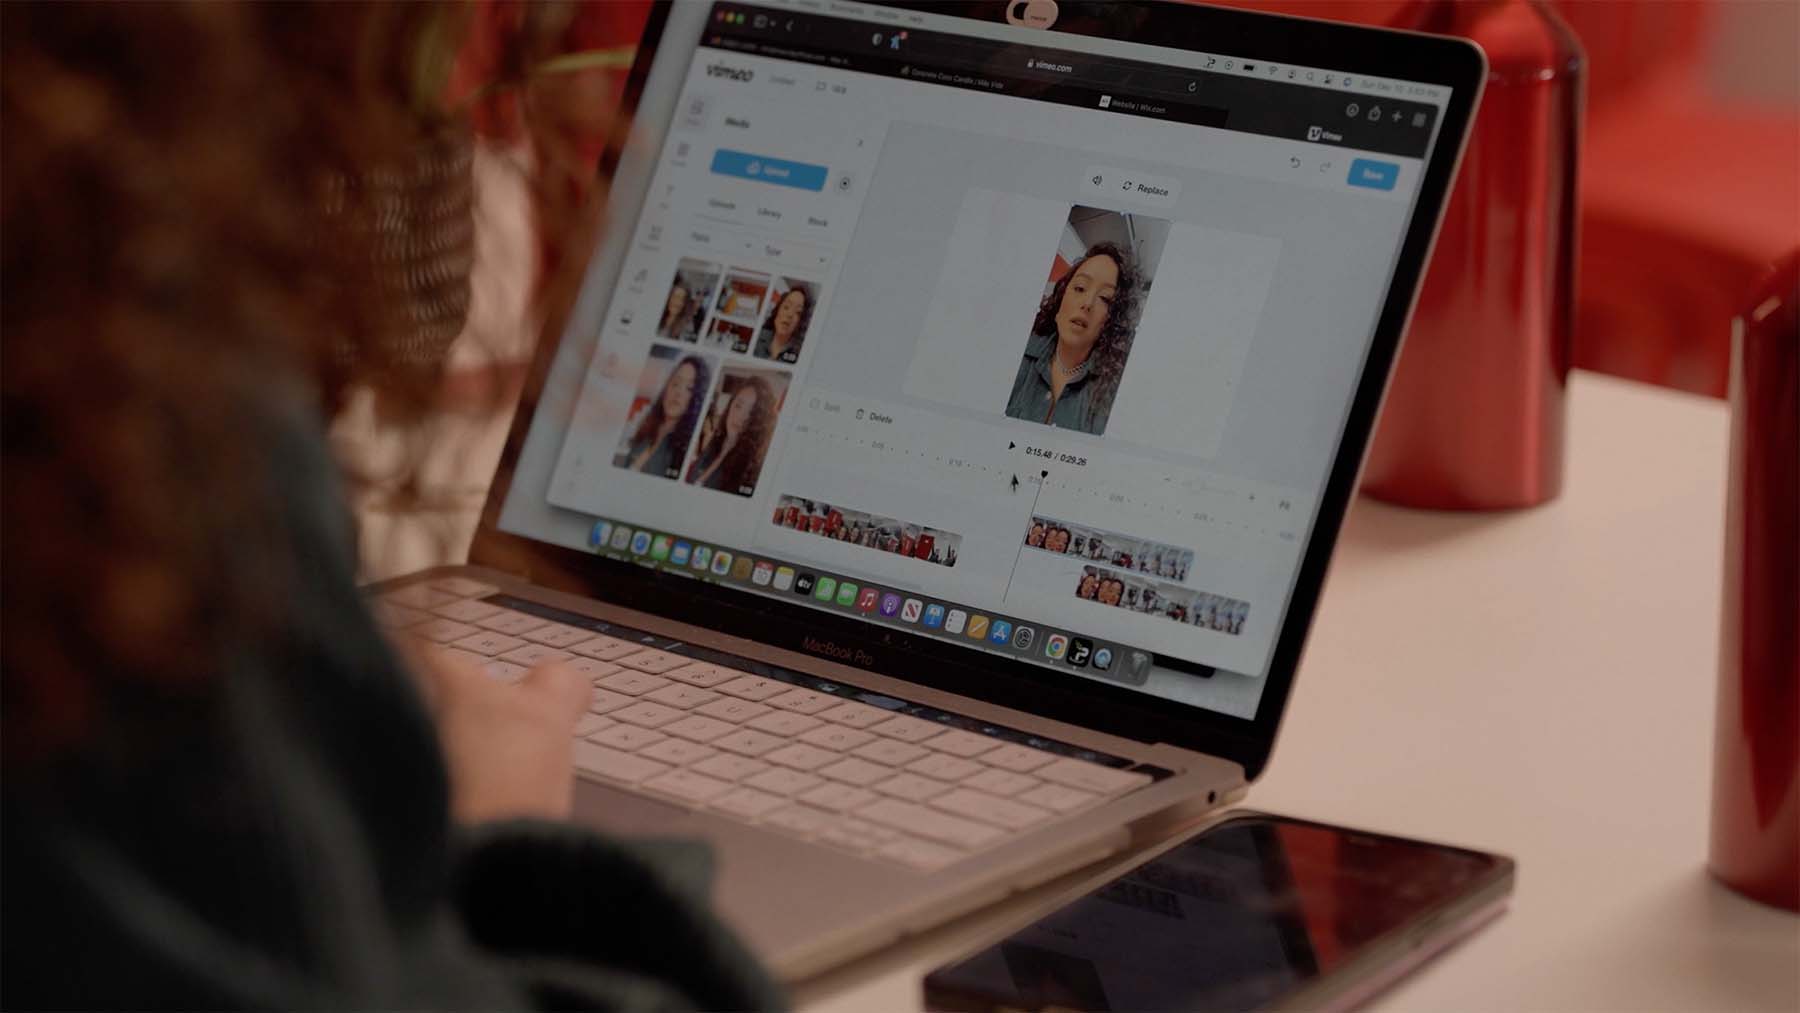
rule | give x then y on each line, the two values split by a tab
1037	343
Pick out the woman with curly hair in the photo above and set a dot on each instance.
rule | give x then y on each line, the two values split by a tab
226	787
1070	372
785	326
731	456
661	438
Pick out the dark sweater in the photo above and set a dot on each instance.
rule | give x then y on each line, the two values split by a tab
281	838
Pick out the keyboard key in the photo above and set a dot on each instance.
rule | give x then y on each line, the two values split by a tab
463	587
503	671
1004	783
699	728
922	855
559	636
418	596
803	701
441	631
920	821
653	661
606	648
856	715
489	643
678	752
894	754
534	654
703	674
681	697
908	729
647	714
782	781
747	803
687	785
1018	759
626	738
632	683
990	809
614	765
851	770
512	623
783	723
856	835
732	709
838	797
1058	798
964	744
944	768
595	670
801	756
606	701
752	687
746	742
912	787
836	737
727	767
466	657
591	723
466	611
800	820
1092	777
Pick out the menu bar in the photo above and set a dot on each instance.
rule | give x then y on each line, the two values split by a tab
1271	100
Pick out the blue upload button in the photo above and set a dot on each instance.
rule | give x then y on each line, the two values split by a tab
779	171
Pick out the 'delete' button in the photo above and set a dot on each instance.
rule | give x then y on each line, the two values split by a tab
779	171
1374	175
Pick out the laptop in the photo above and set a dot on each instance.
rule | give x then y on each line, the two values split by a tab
937	470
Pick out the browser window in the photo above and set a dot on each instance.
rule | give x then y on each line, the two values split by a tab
1043	344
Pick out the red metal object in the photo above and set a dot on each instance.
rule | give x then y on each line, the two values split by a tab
1756	749
1475	417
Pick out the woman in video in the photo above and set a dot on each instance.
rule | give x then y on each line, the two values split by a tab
675	312
1035	536
1089	587
785	325
1057	540
732	455
662	437
1071	367
1111	590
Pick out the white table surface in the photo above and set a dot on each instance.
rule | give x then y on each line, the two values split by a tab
1538	683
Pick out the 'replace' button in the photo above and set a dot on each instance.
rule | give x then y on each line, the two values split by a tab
779	171
1374	175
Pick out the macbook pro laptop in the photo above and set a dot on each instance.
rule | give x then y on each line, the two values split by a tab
937	470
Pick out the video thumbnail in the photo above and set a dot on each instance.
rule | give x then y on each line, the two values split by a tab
684	310
741	297
784	324
1109	548
665	410
1081	337
856	527
734	438
1137	594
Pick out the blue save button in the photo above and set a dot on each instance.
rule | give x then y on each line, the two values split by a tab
1374	175
779	171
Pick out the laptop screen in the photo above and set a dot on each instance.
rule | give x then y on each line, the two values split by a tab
1038	344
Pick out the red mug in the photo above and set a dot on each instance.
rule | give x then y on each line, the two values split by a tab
1756	746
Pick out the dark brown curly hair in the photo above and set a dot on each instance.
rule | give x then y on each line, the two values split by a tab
1106	363
186	253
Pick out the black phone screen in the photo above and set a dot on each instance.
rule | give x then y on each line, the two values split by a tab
1233	919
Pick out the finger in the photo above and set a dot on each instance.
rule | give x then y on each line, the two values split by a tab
567	688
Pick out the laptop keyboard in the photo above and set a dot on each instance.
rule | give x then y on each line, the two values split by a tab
796	754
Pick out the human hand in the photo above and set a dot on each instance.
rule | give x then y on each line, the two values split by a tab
509	747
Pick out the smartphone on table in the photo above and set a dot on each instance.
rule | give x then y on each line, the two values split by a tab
1255	912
